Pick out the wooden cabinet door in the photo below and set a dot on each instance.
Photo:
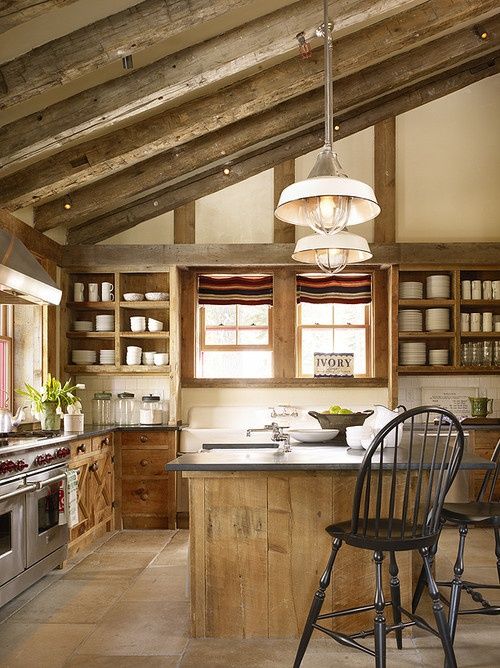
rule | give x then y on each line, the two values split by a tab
85	500
102	485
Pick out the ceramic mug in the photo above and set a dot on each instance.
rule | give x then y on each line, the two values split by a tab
487	289
487	322
465	321
475	322
481	406
107	292
93	292
495	289
78	290
477	289
466	290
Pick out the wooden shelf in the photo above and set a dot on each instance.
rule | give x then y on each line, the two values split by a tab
427	303
90	368
144	368
145	305
92	306
144	335
90	335
426	335
480	302
480	335
74	369
428	370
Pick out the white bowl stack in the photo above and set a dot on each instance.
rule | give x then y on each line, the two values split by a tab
155	325
438	357
107	356
412	353
410	320
83	357
134	355
156	296
105	323
438	286
411	290
437	320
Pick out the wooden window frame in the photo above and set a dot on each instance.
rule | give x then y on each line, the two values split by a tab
207	347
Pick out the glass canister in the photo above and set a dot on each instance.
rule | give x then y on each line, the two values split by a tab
126	410
102	409
151	411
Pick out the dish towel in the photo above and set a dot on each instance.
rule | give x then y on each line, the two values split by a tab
71	501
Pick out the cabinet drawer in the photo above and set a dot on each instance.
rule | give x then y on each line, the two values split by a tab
81	448
144	462
149	439
102	441
149	497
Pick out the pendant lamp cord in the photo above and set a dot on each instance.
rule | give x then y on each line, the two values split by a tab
328	46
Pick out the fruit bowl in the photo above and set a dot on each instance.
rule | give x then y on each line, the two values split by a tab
340	421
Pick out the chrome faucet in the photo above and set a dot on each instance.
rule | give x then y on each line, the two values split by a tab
278	435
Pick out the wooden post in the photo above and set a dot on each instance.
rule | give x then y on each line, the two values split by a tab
284	175
385	180
185	224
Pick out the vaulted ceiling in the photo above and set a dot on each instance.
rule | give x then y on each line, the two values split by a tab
97	148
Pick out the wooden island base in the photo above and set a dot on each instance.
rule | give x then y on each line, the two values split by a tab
259	546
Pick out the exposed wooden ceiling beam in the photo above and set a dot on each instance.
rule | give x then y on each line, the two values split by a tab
384	162
379	80
213	179
89	258
34	241
15	12
188	72
97	158
71	56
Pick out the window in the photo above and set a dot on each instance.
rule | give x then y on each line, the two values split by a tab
6	356
235	339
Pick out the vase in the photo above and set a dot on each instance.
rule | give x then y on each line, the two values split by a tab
50	420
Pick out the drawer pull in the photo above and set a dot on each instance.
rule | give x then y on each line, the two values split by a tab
144	439
105	441
81	448
143	495
144	462
93	467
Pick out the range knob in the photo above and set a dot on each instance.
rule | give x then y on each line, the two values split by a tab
62	452
21	465
9	466
39	460
48	457
3	467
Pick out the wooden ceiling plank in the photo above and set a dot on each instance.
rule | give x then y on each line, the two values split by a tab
71	56
15	12
385	179
187	72
377	81
168	199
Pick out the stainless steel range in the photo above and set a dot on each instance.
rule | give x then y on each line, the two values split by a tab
32	485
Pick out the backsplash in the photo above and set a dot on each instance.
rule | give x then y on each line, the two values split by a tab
410	388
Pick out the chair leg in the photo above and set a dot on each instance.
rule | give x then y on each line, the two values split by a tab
317	604
380	622
396	598
419	589
456	585
439	614
497	549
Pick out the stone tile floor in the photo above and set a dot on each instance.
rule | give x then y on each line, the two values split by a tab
125	604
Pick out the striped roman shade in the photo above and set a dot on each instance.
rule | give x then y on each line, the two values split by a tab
338	289
251	290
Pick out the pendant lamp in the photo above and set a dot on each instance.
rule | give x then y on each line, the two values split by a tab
332	252
327	201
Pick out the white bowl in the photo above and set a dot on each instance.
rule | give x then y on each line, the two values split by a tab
82	326
134	349
353	435
133	297
156	296
313	435
160	359
155	325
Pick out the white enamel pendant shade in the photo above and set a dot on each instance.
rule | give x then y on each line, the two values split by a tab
332	252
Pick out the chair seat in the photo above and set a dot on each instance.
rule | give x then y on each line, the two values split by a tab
487	514
371	541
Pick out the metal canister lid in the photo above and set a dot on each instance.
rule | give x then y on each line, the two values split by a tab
102	395
126	395
150	398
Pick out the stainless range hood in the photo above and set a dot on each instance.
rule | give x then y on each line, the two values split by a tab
22	279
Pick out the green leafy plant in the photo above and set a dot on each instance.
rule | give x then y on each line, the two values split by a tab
51	391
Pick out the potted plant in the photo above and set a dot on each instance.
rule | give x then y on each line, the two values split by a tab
51	401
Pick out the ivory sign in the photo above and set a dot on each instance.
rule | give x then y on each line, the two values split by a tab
333	365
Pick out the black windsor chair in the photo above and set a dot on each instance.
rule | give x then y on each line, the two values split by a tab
485	513
396	507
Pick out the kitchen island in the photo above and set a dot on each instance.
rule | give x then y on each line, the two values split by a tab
258	540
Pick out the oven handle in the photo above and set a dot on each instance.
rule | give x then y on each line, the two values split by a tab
44	483
17	492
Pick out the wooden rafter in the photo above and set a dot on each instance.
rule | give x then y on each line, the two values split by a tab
15	12
385	179
98	158
35	241
82	51
213	179
188	72
357	90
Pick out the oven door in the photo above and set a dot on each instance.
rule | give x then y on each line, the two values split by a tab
44	534
12	529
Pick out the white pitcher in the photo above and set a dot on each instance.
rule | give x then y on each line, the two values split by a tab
382	416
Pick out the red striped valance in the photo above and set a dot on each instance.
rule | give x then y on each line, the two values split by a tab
339	289
250	290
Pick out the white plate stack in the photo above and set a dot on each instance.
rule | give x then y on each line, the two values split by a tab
83	357
437	320
438	286
107	356
105	323
82	326
438	357
412	353
410	320
134	355
411	290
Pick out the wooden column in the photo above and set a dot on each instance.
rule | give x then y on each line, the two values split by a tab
284	175
184	224
385	180
284	322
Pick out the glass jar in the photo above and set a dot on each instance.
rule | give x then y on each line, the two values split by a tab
151	411
126	412
466	354
102	409
496	354
477	354
487	353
